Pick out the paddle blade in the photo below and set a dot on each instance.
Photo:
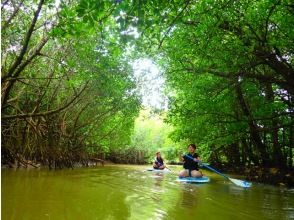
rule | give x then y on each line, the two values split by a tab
241	183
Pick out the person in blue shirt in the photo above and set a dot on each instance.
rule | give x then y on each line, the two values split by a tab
191	167
158	163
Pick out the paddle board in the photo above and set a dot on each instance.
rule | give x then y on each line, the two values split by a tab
203	179
158	171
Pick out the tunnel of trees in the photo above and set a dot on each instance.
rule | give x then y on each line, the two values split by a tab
69	92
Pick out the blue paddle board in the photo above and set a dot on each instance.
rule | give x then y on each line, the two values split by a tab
203	179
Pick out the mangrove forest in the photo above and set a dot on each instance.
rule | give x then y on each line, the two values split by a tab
78	79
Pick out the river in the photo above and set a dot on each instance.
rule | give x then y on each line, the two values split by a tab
129	192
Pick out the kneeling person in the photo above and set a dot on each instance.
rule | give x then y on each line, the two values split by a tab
191	166
158	163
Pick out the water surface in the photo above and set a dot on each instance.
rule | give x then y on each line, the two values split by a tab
130	192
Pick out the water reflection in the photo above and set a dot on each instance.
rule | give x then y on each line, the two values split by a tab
51	196
158	180
158	191
188	196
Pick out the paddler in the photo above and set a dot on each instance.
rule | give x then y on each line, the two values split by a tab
158	163
191	167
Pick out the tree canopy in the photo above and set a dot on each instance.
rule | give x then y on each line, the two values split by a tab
229	69
68	87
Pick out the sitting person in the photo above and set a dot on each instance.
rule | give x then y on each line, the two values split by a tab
191	166
158	163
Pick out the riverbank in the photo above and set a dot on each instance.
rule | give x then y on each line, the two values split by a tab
27	164
267	175
273	176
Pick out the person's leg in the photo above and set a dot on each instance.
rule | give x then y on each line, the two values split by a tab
162	167
196	173
155	167
183	173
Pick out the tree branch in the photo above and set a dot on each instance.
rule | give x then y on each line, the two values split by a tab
20	116
172	24
5	25
26	43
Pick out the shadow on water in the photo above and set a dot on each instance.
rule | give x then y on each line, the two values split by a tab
128	192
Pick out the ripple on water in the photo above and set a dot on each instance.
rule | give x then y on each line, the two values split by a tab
159	213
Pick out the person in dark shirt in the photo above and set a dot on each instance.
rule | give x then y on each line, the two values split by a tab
191	167
158	163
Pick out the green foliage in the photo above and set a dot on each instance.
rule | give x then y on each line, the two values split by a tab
68	86
229	69
151	134
74	97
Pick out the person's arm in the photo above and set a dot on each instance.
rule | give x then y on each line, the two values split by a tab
197	159
162	163
187	158
184	158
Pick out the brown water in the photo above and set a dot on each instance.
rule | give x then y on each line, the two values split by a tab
129	192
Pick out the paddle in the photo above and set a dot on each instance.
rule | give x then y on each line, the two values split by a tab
168	168
241	183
